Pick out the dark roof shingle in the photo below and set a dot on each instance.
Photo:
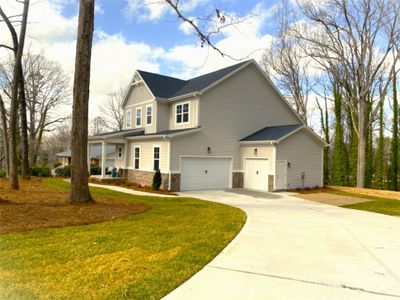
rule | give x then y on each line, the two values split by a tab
271	133
170	87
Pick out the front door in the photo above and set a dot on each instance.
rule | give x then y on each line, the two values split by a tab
281	175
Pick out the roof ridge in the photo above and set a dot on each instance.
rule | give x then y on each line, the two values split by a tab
218	70
176	78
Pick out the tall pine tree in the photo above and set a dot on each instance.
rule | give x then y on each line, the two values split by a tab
394	150
379	157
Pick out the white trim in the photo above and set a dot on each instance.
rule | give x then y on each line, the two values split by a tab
175	114
159	156
134	156
141	117
151	106
267	142
164	136
126	155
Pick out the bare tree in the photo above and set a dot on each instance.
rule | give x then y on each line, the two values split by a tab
98	125
47	87
4	131
354	40
286	64
79	174
18	47
112	110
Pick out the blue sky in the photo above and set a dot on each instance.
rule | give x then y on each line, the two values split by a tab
130	35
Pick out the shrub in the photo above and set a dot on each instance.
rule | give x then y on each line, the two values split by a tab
63	171
2	173
95	170
157	180
56	164
39	171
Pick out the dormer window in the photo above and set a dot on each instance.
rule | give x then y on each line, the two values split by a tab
149	114
128	120
138	117
182	113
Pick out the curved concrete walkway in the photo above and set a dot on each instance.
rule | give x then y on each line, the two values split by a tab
296	249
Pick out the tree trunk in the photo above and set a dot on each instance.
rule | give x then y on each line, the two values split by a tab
79	172
24	127
379	158
5	135
362	143
394	148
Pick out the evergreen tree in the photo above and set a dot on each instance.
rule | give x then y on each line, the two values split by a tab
379	158
394	151
339	151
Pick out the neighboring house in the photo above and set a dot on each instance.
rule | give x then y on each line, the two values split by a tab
95	156
226	129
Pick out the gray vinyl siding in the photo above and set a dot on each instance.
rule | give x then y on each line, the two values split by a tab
232	110
304	153
163	116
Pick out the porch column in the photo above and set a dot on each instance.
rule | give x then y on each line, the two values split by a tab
103	157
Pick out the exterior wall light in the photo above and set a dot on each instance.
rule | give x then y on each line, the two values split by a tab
288	165
255	151
208	150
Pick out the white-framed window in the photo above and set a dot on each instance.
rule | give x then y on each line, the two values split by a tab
119	152
182	113
149	114
138	118
137	157
156	158
128	116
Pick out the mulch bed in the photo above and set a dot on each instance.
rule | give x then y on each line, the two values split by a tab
36	206
122	182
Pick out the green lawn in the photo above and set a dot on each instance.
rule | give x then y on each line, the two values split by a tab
383	206
141	257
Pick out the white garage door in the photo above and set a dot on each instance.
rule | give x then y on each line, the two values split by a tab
205	173
256	174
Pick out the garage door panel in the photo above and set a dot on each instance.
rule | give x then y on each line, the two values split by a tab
256	174
205	173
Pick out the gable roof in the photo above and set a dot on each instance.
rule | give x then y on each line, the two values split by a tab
169	87
271	133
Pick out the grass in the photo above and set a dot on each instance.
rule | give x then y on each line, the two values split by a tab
138	257
382	206
376	204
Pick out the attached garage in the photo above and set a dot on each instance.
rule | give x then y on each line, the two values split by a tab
199	173
256	174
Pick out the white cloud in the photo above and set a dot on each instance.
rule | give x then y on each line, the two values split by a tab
153	10
240	41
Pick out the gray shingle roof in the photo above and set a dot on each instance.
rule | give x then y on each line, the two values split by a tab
170	87
271	133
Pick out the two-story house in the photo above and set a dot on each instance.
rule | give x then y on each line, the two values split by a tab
227	129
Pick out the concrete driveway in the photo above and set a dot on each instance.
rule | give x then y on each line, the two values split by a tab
296	249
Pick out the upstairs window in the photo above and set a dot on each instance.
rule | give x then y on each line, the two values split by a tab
149	114
137	158
138	117
128	121
182	113
156	155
